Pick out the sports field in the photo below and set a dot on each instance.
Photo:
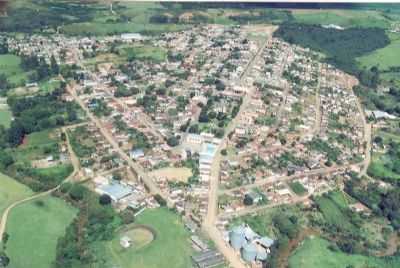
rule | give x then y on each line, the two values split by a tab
34	229
11	191
314	253
170	245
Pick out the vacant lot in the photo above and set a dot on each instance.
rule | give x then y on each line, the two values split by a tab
173	174
9	65
143	52
34	229
169	246
11	191
314	253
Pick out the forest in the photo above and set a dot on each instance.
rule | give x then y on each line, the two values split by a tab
341	47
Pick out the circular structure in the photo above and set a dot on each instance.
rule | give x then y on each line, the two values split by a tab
237	237
136	237
249	252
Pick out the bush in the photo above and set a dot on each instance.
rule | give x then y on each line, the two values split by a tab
104	200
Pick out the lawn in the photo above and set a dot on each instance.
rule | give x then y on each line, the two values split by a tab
34	229
170	246
314	253
11	191
5	116
384	58
9	65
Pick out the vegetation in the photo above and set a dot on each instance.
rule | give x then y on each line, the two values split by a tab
36	242
341	47
297	188
316	252
11	191
94	224
170	243
11	73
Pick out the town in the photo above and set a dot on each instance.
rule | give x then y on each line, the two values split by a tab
215	122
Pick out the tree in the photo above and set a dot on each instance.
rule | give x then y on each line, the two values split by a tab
173	141
77	192
160	200
104	199
55	69
4	259
247	201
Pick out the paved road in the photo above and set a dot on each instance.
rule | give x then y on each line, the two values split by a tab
150	184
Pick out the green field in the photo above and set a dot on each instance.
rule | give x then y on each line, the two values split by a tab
5	117
332	206
171	243
9	66
11	191
297	188
143	52
34	229
384	58
314	253
344	18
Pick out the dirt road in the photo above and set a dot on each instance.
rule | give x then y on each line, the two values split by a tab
142	175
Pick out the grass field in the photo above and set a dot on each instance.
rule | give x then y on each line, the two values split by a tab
11	191
332	206
384	58
143	52
9	66
34	229
344	18
297	188
314	253
170	245
5	116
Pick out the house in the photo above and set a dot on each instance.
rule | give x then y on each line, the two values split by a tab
136	154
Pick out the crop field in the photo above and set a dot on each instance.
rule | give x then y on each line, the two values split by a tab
11	191
9	66
314	253
384	58
343	18
34	229
170	243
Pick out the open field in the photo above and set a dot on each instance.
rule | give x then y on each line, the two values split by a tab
314	253
34	229
9	66
377	168
170	244
139	236
11	191
143	52
344	18
384	58
173	174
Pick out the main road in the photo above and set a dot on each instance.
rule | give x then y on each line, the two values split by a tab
209	222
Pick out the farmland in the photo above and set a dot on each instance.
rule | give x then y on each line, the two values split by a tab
47	217
384	58
344	18
315	252
5	116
